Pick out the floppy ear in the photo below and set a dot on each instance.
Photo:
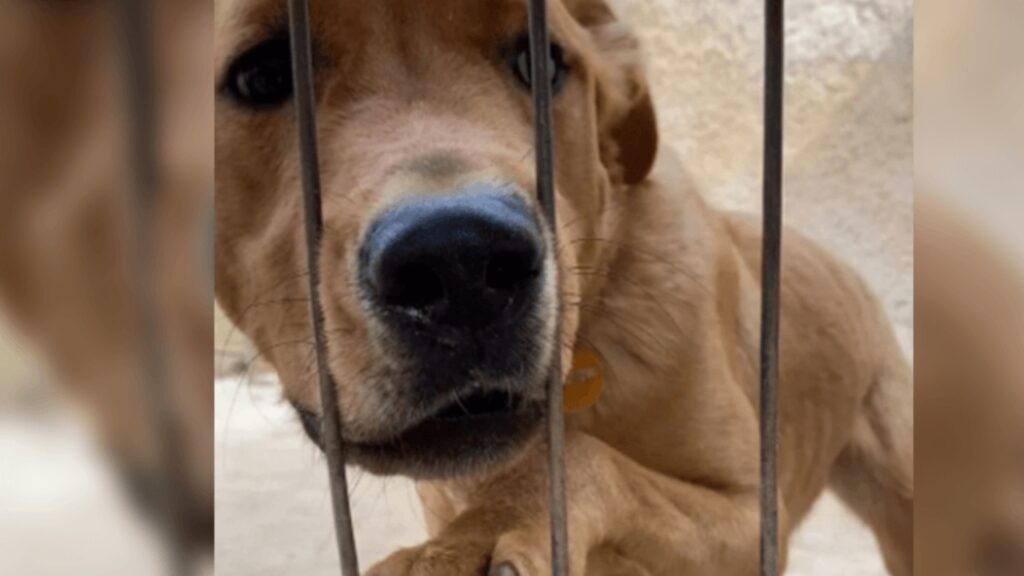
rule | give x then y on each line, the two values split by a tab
627	125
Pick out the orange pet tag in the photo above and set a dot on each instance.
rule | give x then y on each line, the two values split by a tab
584	383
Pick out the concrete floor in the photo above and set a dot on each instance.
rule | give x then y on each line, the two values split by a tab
273	503
273	512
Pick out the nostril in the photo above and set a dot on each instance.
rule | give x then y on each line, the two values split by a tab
509	271
462	262
415	286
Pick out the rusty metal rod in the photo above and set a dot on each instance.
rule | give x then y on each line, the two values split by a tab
305	110
540	59
771	264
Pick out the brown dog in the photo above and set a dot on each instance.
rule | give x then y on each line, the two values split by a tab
440	285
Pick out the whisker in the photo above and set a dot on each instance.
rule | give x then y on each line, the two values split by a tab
235	325
651	296
643	337
650	258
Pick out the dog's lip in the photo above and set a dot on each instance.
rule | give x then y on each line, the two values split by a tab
478	404
468	409
454	428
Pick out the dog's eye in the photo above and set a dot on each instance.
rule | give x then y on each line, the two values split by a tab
262	76
521	64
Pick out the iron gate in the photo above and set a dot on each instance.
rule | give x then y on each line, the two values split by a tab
301	50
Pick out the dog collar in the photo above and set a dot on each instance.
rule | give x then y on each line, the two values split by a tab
585	381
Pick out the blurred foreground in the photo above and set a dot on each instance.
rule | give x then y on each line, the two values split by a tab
106	176
969	286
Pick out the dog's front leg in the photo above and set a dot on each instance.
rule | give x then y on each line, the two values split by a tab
624	520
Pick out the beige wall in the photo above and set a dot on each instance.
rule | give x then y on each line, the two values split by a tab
849	119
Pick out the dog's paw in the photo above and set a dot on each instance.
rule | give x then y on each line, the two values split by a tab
436	558
523	552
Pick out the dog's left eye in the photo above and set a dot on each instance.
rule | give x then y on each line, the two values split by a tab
262	76
521	64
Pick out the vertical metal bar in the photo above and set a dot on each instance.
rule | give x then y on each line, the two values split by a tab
137	55
771	257
305	108
540	51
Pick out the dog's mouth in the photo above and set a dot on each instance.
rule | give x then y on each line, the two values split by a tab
479	404
474	429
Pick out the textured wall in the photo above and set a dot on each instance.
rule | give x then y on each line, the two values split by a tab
849	149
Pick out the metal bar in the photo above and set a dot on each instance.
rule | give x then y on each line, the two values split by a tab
771	260
137	55
305	109
540	51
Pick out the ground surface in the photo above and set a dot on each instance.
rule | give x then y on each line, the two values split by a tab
273	503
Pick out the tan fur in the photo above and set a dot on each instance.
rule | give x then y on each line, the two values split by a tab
663	471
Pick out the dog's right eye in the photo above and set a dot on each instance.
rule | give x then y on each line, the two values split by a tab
262	76
520	61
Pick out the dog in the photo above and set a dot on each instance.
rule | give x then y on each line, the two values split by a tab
447	298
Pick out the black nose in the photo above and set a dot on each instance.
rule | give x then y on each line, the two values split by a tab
470	260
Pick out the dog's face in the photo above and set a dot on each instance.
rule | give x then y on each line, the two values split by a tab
441	284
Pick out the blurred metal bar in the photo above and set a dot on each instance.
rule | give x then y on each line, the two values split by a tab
540	59
305	109
771	264
136	44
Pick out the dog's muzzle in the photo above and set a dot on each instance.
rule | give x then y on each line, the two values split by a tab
456	287
460	264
